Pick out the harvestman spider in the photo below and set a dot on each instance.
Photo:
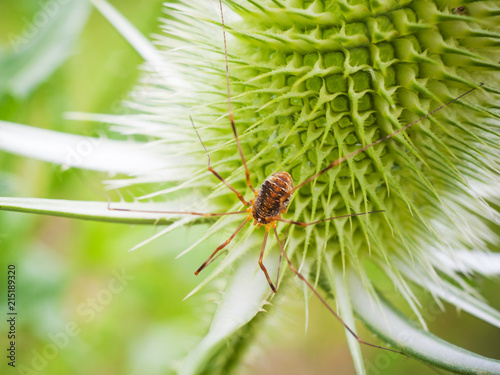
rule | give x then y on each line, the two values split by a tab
272	199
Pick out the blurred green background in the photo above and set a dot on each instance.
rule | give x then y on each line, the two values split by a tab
65	267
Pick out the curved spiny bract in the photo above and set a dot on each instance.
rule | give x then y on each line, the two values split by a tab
268	204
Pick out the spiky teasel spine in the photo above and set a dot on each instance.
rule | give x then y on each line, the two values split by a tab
314	80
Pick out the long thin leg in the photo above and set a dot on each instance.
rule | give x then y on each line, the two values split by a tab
362	149
279	261
278	273
320	221
240	197
207	262
174	212
230	111
261	264
154	211
300	276
179	212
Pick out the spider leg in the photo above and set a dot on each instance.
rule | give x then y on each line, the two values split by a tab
208	261
108	198
238	194
320	221
261	264
173	212
362	149
179	212
278	273
230	111
300	276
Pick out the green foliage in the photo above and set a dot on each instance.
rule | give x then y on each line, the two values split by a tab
35	53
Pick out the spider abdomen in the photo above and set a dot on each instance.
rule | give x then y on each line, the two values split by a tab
268	202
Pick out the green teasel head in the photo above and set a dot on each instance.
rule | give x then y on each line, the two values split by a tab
312	81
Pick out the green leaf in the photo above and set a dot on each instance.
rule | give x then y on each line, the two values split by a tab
42	47
454	295
140	43
484	263
345	311
242	300
402	333
98	154
88	210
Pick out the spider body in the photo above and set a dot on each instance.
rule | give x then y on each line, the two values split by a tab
268	203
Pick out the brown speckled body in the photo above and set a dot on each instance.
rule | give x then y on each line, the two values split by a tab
268	201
